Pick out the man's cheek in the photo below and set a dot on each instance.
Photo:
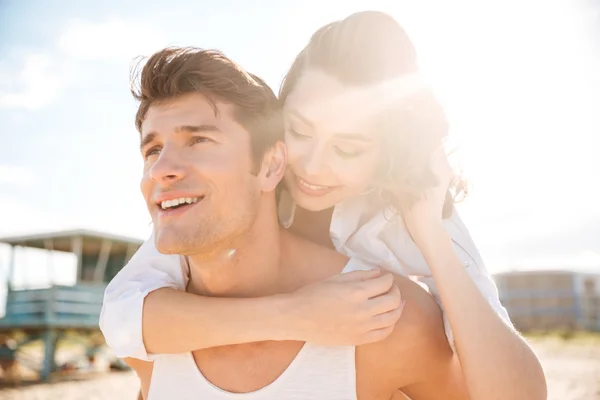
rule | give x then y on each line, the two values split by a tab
146	190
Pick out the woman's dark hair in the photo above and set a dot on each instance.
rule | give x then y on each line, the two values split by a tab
371	49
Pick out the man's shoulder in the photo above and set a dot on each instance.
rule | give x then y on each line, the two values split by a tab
309	254
421	312
143	369
417	341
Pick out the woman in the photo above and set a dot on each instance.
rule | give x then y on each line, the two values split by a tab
366	175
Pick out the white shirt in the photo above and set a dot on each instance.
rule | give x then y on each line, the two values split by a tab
361	227
315	373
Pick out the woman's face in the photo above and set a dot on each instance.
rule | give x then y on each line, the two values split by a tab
333	151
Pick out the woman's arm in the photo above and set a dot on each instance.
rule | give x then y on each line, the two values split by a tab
497	362
174	321
121	315
146	310
354	308
468	254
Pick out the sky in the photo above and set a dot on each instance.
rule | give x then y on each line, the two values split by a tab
518	79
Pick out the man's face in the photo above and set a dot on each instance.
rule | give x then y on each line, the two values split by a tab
198	182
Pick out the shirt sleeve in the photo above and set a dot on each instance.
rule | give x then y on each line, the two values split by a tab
121	315
467	252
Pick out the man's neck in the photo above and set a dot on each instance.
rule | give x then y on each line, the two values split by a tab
249	266
313	225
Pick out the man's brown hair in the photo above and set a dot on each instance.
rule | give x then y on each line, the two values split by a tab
177	71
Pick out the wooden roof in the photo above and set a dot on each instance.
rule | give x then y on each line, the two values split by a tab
63	241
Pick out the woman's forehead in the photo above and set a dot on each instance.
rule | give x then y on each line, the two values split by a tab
321	101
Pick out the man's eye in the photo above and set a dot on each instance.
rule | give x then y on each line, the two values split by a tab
200	139
152	151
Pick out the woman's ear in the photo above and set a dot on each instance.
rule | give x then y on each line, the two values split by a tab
273	167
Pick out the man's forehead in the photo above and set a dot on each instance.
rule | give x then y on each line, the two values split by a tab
189	110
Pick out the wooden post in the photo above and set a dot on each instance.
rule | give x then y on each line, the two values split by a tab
49	245
77	248
49	363
102	261
11	269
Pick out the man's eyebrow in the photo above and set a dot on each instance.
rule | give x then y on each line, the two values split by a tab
180	129
147	139
196	128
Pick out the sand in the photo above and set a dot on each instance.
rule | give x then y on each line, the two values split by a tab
572	369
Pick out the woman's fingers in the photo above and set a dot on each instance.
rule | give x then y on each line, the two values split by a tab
386	302
375	286
388	319
358	276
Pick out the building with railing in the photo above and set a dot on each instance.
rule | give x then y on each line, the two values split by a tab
57	312
549	300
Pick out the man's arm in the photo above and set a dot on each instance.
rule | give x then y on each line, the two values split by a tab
143	369
416	358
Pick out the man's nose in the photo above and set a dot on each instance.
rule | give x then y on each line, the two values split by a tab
168	168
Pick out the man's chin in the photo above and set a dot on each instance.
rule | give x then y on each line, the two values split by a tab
166	248
168	242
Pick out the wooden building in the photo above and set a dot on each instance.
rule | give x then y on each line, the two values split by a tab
49	313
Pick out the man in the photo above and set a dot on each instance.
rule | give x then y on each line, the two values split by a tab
212	161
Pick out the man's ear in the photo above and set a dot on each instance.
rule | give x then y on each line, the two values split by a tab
273	167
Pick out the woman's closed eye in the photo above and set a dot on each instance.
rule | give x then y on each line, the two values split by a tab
348	152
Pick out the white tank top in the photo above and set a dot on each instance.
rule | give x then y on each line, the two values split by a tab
316	373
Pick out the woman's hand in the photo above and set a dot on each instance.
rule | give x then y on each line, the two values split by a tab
349	309
426	213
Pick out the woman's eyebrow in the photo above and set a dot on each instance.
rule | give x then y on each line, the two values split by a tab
301	117
354	136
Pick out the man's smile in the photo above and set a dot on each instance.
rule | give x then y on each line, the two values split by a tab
175	203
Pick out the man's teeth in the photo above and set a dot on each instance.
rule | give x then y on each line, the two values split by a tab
312	187
175	202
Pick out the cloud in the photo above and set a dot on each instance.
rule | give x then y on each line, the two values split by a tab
19	217
14	174
42	77
112	39
40	85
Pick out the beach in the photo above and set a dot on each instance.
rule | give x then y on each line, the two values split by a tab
572	369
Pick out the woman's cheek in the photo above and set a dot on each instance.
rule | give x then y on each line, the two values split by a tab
295	151
353	174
